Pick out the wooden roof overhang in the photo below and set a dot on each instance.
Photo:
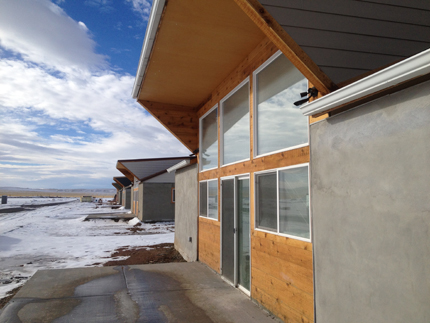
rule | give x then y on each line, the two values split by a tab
196	46
130	176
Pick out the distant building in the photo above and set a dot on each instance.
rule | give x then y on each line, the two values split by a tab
153	188
118	195
125	191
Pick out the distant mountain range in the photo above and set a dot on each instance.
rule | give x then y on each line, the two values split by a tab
20	191
104	190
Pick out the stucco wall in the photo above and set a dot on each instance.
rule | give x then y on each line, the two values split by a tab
371	211
140	202
186	218
128	199
157	202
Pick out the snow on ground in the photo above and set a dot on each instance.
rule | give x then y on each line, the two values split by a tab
19	201
52	237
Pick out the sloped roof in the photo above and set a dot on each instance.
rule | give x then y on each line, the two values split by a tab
117	186
332	43
144	169
122	180
347	39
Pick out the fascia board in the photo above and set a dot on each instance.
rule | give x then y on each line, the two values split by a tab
151	31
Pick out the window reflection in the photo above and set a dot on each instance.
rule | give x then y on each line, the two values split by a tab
267	201
235	124
280	124
213	199
294	202
209	141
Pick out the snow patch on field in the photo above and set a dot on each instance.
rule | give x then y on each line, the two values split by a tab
54	237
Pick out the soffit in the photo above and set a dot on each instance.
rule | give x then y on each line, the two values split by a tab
198	44
347	39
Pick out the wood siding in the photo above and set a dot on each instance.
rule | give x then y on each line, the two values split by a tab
209	243
281	268
349	38
282	276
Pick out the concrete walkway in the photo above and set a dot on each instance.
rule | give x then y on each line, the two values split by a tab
175	292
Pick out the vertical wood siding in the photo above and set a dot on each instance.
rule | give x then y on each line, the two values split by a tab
209	243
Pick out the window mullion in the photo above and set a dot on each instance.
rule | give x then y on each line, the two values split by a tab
277	200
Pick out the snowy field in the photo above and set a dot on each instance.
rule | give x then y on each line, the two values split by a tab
26	201
57	236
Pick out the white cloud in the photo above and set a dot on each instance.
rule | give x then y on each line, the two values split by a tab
42	33
141	7
102	5
64	122
83	26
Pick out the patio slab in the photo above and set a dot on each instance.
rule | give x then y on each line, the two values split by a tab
174	292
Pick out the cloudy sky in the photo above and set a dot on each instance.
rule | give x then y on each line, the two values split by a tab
67	69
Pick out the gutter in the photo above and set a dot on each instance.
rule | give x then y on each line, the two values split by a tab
151	31
405	70
179	165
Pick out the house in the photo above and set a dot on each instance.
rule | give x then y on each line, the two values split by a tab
125	192
289	209
152	186
118	195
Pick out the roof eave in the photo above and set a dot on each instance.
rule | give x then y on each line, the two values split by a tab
408	69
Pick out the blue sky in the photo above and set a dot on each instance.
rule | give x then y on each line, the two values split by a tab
118	27
67	69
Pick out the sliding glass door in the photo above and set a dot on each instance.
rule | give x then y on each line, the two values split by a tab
235	233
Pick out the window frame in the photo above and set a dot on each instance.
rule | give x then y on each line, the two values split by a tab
173	195
221	114
276	232
207	199
201	137
255	106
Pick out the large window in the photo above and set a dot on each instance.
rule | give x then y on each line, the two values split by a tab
235	125
209	199
209	140
282	201
279	125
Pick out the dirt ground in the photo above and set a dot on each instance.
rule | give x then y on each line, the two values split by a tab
5	300
160	253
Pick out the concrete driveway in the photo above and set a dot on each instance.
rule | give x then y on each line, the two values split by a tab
175	292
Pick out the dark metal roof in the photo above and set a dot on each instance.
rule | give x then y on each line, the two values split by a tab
144	169
117	186
122	180
347	39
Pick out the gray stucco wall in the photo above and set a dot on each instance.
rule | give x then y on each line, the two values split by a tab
157	202
370	175
128	199
186	219
140	202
